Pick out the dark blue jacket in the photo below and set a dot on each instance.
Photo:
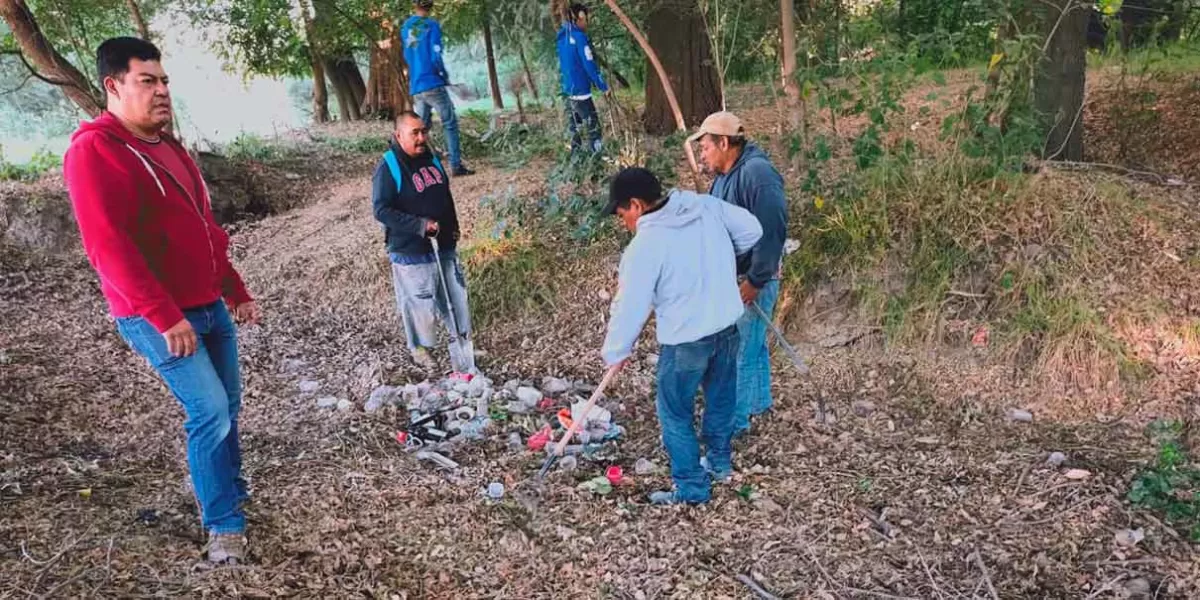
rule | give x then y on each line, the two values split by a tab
755	185
423	195
422	40
576	63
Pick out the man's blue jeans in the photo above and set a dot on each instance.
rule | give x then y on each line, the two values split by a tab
710	363
438	98
208	385
584	123
754	361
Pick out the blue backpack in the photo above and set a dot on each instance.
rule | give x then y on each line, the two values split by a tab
394	166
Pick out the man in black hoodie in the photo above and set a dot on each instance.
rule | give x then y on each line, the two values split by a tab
411	197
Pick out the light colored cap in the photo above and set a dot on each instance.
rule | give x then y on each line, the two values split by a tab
720	123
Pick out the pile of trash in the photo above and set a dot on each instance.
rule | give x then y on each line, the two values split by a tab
465	407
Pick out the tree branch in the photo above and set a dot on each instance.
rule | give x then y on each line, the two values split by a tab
28	76
33	72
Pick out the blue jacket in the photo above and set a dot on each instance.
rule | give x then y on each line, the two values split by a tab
576	63
422	40
755	185
680	263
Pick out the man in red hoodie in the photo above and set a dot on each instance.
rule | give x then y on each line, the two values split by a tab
148	229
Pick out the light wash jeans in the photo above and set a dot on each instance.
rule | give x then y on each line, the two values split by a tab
754	360
208	385
438	98
710	363
584	123
421	302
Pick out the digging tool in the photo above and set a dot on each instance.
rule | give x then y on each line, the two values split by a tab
462	358
801	366
577	423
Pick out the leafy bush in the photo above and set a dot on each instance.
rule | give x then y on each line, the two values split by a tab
1171	485
248	146
41	163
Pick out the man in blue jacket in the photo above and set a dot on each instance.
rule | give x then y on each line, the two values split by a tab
579	74
421	36
745	177
681	263
411	197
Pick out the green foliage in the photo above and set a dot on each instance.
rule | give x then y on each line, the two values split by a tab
367	144
510	276
1170	485
41	163
248	146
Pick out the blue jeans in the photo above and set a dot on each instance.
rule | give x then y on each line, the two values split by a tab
582	115
438	98
208	385
421	302
710	363
754	361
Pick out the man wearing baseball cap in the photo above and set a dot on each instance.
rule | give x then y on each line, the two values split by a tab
681	263
746	178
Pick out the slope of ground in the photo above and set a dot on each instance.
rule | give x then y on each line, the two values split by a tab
919	486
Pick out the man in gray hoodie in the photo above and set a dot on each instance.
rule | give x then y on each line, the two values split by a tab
746	178
681	263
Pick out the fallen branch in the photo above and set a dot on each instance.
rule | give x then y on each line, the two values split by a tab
756	588
1068	165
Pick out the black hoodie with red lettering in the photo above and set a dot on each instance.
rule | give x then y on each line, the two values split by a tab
405	210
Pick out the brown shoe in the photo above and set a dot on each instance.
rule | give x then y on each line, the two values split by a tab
226	548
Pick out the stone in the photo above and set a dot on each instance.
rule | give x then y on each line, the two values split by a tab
1056	459
1017	414
644	466
309	386
344	405
1077	474
863	408
1128	538
528	396
327	402
1138	589
554	385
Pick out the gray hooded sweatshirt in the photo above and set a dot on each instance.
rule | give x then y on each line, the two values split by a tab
755	185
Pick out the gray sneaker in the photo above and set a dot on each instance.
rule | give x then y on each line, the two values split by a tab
717	476
226	548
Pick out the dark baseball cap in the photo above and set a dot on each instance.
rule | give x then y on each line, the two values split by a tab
632	182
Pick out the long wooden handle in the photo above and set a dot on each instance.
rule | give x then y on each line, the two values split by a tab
577	423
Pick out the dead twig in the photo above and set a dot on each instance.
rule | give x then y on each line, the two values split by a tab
987	578
1107	586
754	586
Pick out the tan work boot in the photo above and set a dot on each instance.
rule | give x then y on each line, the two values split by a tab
226	548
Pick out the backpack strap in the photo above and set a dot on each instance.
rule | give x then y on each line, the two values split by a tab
438	163
394	166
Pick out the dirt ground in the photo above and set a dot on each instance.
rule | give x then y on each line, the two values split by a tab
919	487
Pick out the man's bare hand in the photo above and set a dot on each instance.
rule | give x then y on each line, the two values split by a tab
748	291
431	228
247	313
181	339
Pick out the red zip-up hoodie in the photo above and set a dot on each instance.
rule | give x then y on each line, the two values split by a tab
156	247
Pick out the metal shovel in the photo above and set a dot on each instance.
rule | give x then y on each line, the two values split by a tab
801	366
462	357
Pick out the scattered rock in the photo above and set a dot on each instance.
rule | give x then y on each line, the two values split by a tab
344	405
1077	474
863	408
1017	414
1128	538
327	402
1056	459
644	466
309	386
1138	589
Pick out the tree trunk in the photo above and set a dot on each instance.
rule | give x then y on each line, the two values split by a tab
139	21
678	37
1060	78
51	67
348	86
387	93
529	81
320	96
787	21
493	78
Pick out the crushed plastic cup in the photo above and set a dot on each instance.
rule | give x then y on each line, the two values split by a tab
614	474
539	440
495	490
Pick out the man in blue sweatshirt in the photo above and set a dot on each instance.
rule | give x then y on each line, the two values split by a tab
579	74
681	263
421	36
745	177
